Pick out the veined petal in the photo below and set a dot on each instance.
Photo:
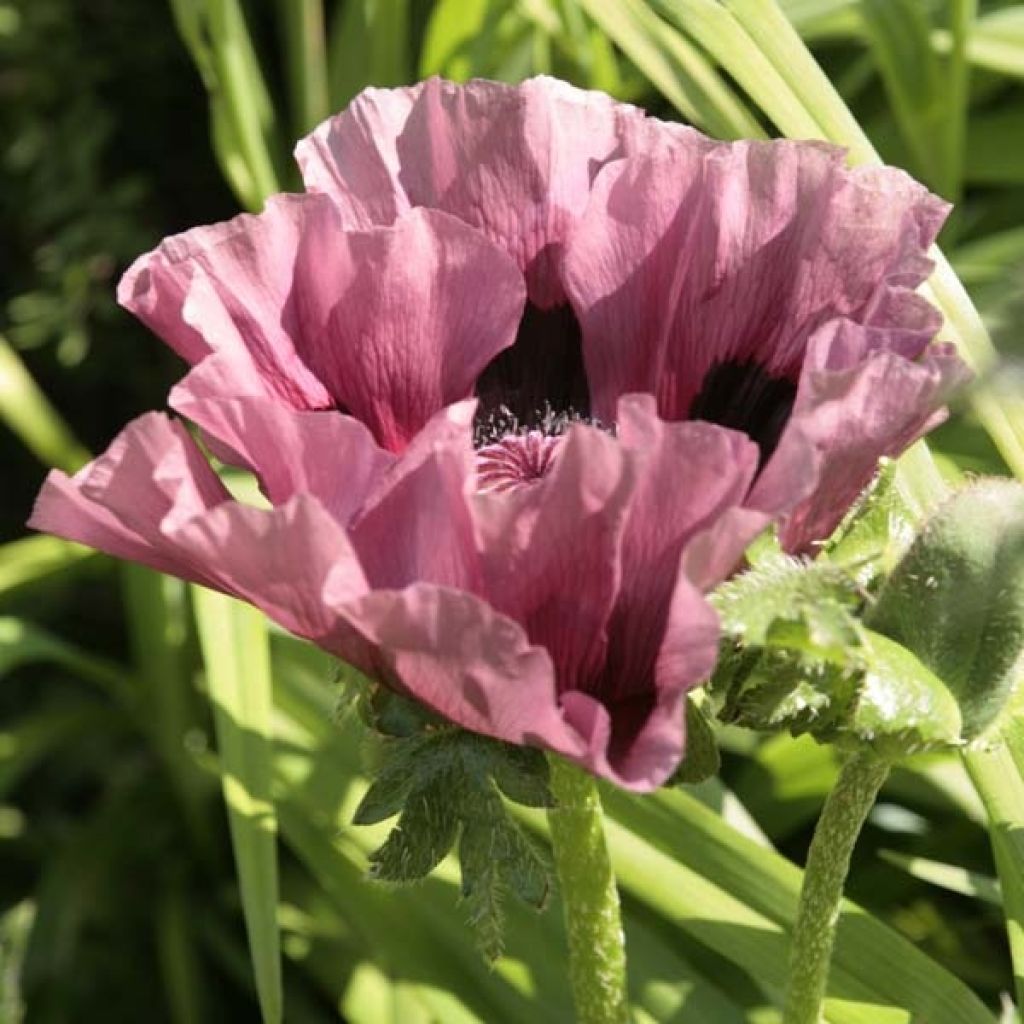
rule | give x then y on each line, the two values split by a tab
734	255
848	418
550	550
413	314
514	161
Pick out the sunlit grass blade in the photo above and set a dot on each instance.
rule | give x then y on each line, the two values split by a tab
157	613
34	558
697	880
306	62
996	42
720	34
997	775
675	66
236	654
676	856
28	412
947	876
824	19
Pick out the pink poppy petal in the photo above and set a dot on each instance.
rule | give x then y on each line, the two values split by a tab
326	454
420	528
662	637
280	560
549	550
151	479
225	288
514	161
466	661
733	256
851	418
414	314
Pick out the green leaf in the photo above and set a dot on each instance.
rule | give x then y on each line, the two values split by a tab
306	62
996	772
453	24
791	603
997	41
522	775
35	558
445	782
701	759
425	833
715	29
236	654
956	600
990	161
243	120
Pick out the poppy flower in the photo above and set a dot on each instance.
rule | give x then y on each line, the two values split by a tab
521	375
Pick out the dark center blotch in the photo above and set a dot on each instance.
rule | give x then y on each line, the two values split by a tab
744	396
542	372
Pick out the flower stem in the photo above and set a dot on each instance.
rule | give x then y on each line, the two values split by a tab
597	952
828	863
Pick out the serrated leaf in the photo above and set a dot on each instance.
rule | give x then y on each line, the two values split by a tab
386	796
957	599
522	775
482	886
524	868
425	833
789	602
701	759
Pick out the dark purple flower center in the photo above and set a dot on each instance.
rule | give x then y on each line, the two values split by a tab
538	386
744	396
542	372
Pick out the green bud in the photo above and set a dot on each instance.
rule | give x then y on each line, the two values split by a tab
956	599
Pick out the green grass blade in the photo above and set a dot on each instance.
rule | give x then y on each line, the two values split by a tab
675	855
369	45
997	42
720	34
29	414
235	649
24	643
899	34
997	775
180	965
675	66
305	61
947	876
957	100
243	123
33	559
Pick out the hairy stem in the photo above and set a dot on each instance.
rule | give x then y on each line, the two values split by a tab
828	863
597	953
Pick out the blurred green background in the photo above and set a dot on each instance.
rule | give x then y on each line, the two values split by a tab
122	122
